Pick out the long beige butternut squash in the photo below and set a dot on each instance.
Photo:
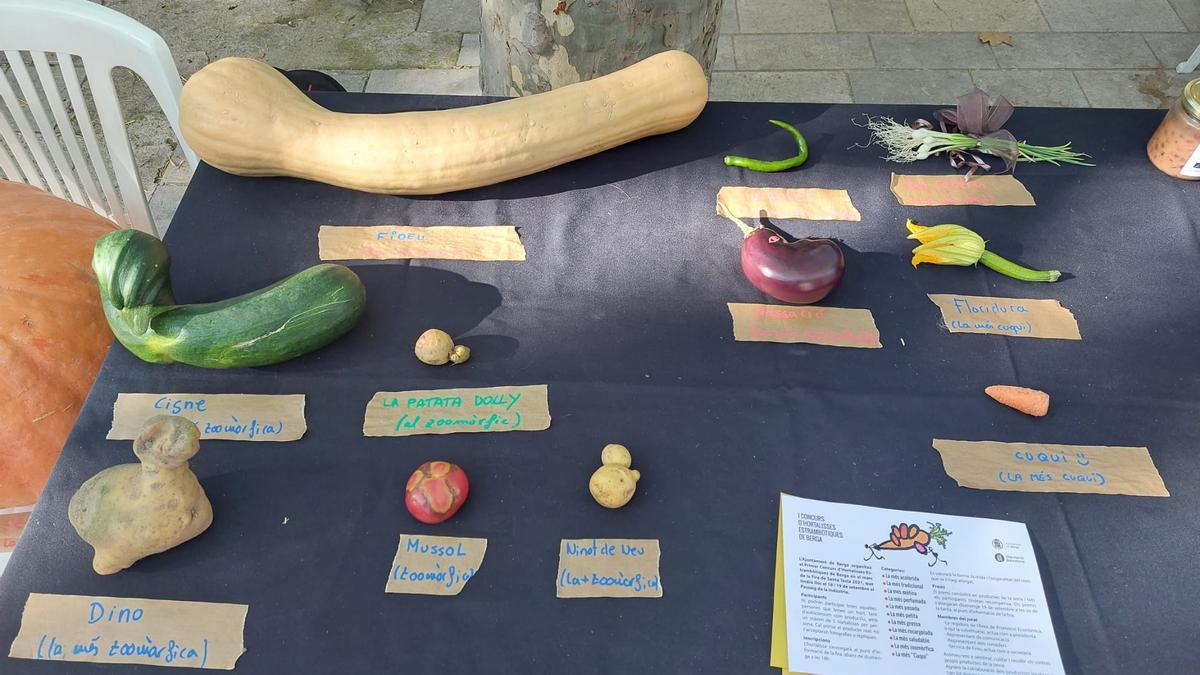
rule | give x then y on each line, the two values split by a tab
243	117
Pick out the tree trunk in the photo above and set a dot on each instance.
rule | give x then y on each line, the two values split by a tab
531	46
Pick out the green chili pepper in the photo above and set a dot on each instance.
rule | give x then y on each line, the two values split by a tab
778	164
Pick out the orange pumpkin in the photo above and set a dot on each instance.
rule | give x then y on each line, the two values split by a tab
53	335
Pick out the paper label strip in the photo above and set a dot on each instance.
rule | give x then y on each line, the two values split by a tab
608	568
226	417
453	411
806	203
1034	467
1015	317
946	190
428	565
440	242
833	326
102	629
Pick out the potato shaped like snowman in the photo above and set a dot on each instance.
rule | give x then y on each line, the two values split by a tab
613	484
437	348
129	511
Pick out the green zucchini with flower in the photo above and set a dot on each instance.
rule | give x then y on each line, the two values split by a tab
957	245
291	317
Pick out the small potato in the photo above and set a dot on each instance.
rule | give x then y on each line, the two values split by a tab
613	485
436	348
616	454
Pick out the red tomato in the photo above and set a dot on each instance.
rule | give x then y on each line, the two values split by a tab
436	491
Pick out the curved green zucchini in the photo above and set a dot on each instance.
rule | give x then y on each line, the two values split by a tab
294	316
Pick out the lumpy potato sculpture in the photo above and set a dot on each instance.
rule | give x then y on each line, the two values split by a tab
613	485
129	511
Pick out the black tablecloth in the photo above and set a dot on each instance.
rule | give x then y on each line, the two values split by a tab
620	308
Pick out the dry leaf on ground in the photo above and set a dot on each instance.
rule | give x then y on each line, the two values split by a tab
994	38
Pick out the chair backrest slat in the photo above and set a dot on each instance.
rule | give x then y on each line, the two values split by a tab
83	116
17	109
66	130
112	123
8	166
34	91
101	172
12	140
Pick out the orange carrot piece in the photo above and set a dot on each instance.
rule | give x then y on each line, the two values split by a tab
1029	401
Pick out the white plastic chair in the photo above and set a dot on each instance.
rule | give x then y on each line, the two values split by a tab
102	39
1191	64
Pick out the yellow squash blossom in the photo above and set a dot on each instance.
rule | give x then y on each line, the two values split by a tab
945	244
957	245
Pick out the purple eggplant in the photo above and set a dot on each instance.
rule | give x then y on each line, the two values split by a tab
801	272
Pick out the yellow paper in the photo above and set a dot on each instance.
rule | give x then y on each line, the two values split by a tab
453	411
228	417
1037	467
945	190
807	203
608	568
428	565
101	629
833	326
447	242
1015	317
779	646
779	656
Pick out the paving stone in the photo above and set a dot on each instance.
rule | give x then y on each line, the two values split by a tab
1189	11
1172	48
802	52
323	34
1124	43
351	80
153	143
460	16
724	59
369	51
1131	88
132	92
877	16
1111	15
922	50
468	54
933	87
163	204
176	171
729	17
784	16
810	86
1075	50
464	81
189	62
1054	88
976	15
